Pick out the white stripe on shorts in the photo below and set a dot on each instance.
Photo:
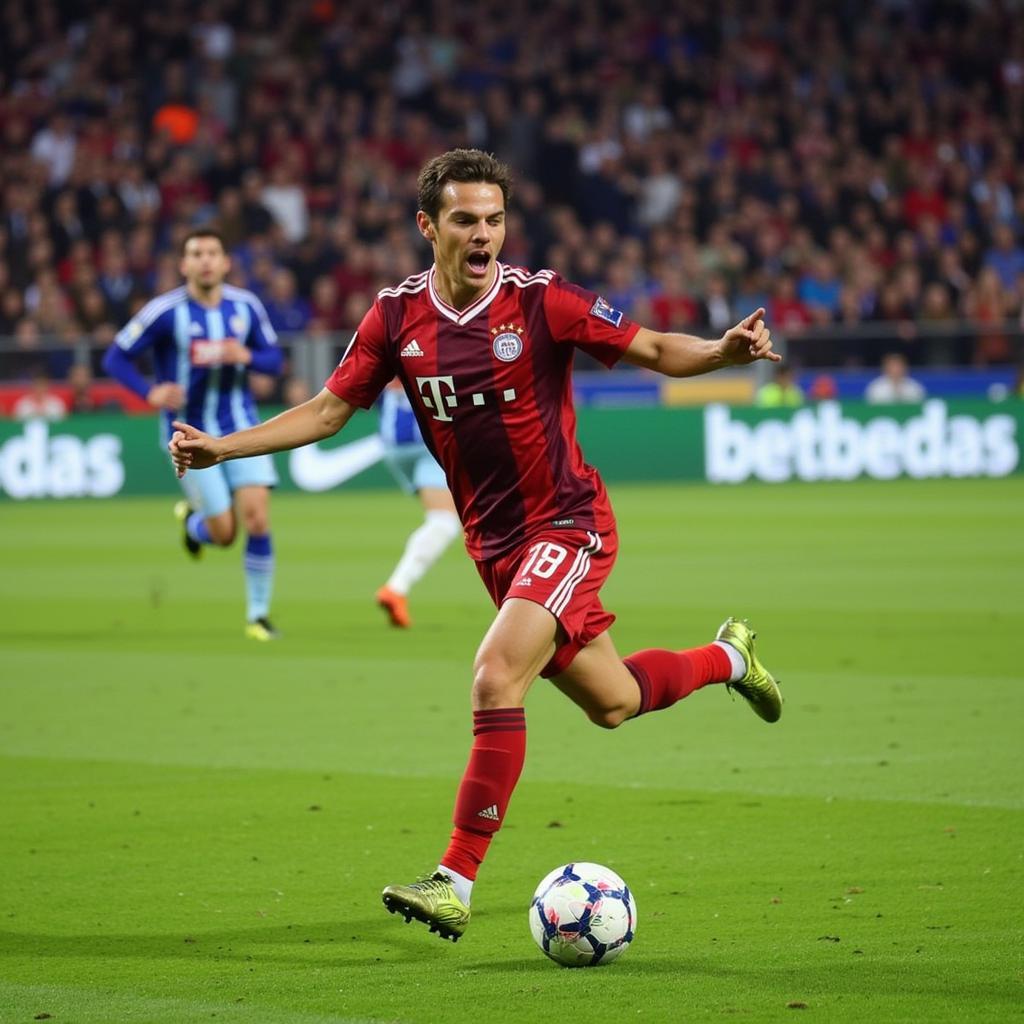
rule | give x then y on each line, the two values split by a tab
562	594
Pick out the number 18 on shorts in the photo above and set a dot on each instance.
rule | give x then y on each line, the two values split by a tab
562	570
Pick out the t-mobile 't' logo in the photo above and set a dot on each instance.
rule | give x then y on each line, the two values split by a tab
438	394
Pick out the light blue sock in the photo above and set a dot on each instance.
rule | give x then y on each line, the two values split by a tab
196	528
259	576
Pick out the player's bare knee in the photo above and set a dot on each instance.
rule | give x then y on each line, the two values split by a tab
608	718
495	684
222	534
257	526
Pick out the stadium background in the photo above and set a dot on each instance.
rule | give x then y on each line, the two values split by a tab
194	828
854	168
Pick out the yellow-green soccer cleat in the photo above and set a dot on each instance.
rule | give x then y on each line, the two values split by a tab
182	510
431	900
758	687
262	630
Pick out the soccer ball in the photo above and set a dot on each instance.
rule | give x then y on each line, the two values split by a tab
583	915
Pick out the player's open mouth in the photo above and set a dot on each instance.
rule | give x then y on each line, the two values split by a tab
478	262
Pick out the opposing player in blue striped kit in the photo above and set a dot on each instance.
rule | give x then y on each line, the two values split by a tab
204	338
416	472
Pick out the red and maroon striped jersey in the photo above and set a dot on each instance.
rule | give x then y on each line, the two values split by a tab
492	391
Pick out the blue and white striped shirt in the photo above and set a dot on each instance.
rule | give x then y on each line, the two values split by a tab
182	335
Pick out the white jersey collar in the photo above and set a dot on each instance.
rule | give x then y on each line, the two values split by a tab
463	316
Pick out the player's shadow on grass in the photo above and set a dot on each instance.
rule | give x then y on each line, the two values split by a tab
886	980
352	943
533	962
330	945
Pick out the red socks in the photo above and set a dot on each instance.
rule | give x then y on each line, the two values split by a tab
499	745
665	677
495	762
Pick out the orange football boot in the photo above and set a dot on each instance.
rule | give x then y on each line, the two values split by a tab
396	607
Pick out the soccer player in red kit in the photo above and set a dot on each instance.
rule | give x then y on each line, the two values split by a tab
484	353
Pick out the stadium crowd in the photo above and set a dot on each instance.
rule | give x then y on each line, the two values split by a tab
841	163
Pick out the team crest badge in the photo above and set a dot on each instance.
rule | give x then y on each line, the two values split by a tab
237	325
508	342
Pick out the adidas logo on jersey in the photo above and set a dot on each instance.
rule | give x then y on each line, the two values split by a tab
526	581
490	813
412	349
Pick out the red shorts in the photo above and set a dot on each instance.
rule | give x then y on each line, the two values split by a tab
562	570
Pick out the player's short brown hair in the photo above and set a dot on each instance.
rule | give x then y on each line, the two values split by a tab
459	165
203	232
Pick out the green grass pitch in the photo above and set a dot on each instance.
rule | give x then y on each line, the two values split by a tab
197	828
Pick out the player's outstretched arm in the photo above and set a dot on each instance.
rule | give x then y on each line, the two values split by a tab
323	415
683	355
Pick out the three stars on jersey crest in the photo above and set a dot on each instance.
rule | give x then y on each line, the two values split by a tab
504	328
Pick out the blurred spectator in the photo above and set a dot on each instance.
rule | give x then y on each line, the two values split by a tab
183	192
117	283
41	402
218	94
66	224
256	218
354	272
823	388
924	197
139	195
988	305
12	309
216	38
672	307
1005	256
286	309
54	147
27	357
176	119
780	392
284	198
659	194
787	313
81	381
326	307
894	385
646	115
717	312
820	287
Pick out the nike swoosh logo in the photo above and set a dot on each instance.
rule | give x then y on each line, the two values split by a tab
318	469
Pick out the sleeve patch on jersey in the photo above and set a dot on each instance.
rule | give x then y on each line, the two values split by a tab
129	334
603	311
